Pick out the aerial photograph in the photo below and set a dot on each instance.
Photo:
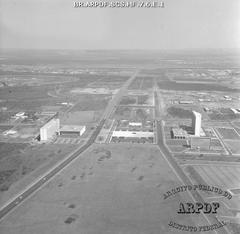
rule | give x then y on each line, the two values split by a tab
119	117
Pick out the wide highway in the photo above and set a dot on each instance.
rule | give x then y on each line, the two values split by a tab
60	166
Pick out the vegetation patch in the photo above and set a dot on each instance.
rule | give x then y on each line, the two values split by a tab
72	218
179	112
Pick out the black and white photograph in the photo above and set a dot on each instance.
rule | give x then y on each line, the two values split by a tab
119	116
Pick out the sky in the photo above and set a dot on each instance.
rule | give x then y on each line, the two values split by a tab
182	24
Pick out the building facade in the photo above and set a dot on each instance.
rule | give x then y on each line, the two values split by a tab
48	130
196	123
72	130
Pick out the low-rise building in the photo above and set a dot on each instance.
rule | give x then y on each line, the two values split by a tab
179	133
72	130
131	134
204	100
135	124
185	102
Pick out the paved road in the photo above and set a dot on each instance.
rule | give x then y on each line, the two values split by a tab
51	173
25	194
118	96
181	175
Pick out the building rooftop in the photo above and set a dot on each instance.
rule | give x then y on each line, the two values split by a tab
179	132
197	114
185	102
137	134
73	128
135	124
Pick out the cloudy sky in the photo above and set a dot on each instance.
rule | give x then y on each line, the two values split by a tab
56	24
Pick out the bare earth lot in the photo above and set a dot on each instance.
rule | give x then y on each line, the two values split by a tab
109	189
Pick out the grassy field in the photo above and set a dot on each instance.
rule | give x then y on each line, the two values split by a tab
179	112
128	100
228	133
143	99
79	117
136	84
223	114
234	146
5	116
134	114
87	102
5	128
170	85
147	83
222	176
107	190
18	160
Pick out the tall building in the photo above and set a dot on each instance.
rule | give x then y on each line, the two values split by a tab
48	130
196	123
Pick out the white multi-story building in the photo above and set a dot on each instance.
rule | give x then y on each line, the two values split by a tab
135	124
49	130
196	123
72	130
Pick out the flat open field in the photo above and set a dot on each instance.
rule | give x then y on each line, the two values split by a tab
228	133
133	113
170	85
233	145
148	83
128	100
17	160
222	114
109	189
137	83
80	117
137	100
177	145
142	83
221	176
5	128
89	102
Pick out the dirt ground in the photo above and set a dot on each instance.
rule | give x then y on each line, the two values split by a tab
108	189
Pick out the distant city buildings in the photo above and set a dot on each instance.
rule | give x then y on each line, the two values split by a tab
196	123
50	129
